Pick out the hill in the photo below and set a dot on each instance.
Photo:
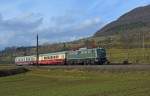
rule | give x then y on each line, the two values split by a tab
135	21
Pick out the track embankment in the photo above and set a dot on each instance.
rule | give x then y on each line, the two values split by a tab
9	72
96	67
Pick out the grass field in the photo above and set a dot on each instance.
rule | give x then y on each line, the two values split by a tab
7	66
75	82
134	56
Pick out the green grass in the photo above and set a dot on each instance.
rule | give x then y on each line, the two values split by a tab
7	66
135	56
75	82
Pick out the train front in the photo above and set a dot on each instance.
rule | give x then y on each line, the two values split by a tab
101	55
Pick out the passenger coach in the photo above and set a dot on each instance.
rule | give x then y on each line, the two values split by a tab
52	58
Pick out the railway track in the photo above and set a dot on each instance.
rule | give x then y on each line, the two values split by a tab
97	67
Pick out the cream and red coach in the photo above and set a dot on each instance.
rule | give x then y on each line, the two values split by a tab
52	58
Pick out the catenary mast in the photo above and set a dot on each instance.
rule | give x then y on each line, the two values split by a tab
37	50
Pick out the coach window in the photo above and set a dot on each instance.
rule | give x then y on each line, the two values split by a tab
62	56
45	58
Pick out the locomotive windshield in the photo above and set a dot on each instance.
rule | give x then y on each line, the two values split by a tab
101	53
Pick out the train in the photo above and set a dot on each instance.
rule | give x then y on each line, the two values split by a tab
82	56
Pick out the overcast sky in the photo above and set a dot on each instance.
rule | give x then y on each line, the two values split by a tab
57	20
